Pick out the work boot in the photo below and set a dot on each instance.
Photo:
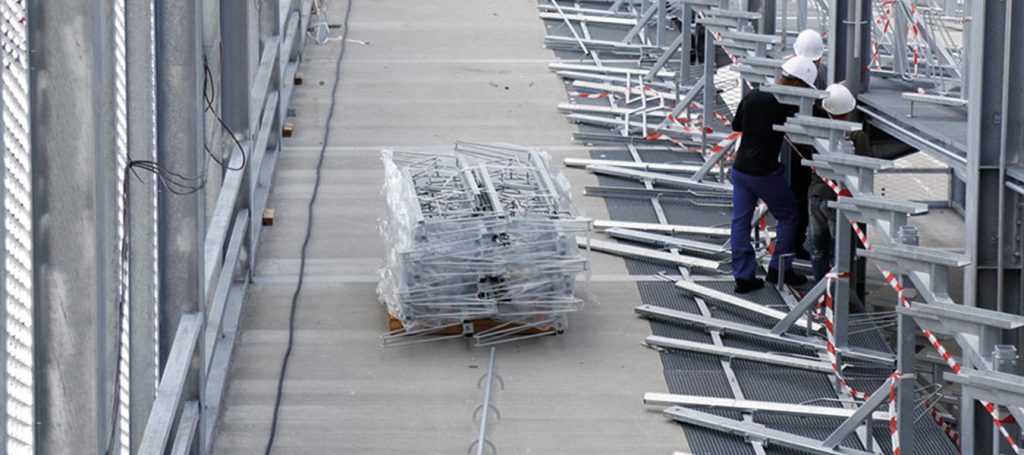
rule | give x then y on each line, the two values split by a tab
745	286
791	278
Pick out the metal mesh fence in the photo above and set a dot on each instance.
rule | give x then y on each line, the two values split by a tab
16	251
916	177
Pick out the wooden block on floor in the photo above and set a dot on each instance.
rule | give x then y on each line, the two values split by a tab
268	217
287	129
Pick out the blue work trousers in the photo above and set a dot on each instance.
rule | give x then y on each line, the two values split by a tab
774	190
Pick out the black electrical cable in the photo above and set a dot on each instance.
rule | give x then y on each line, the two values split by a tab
209	100
174	183
309	229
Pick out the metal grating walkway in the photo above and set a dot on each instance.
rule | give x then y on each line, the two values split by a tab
702	374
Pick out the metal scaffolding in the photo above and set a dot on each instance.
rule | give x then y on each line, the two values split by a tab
139	142
915	45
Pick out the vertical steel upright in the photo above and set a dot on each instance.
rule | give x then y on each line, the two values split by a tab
850	43
179	77
995	142
74	244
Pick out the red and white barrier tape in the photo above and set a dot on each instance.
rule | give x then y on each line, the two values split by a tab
830	344
946	356
893	424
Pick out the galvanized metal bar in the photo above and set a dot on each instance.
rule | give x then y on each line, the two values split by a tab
756	431
667	241
182	217
489	382
743	354
172	385
71	82
653	167
879	396
753	406
187	424
655	228
802	307
219	298
713	324
646	253
906	407
730	299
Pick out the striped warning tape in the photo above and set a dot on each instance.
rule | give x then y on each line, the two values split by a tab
946	426
939	347
893	282
593	96
893	424
830	343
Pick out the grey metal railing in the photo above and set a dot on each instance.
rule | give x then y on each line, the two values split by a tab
204	342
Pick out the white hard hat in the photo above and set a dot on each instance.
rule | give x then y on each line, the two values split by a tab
801	68
840	101
808	44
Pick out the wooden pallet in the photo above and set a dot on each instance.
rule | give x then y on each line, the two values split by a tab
468	327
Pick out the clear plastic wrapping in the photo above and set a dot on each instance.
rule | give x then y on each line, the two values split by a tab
487	232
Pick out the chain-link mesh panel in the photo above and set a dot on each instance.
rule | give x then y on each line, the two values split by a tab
917	177
121	151
15	207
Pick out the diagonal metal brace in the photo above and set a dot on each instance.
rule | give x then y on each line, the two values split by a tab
863	413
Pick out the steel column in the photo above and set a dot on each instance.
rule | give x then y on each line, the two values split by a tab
240	36
180	149
850	20
74	165
905	406
995	140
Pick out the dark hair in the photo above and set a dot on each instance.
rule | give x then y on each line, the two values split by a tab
791	81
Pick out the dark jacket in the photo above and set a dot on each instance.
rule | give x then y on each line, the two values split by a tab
757	113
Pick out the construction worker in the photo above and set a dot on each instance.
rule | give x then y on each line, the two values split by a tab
839	105
810	45
757	174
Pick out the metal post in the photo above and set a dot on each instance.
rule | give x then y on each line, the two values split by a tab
74	245
850	43
768	16
685	51
993	279
801	14
905	406
659	35
841	296
143	286
180	149
899	41
709	85
1004	360
240	35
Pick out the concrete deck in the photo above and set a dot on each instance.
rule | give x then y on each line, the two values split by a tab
432	73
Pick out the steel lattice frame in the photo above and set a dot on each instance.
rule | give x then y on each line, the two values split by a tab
16	304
